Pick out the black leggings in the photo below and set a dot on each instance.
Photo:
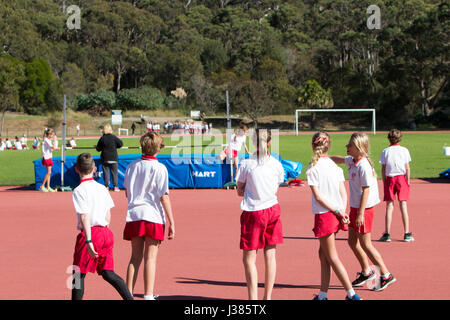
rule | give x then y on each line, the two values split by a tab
109	276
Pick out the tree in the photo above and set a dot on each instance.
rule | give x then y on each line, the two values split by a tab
313	96
11	77
252	99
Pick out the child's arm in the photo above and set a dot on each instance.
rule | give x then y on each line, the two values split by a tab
324	203
108	216
338	159
165	201
362	206
408	173
383	172
343	194
240	189
86	223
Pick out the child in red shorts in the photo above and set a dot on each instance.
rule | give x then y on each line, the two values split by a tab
258	179
94	244
329	202
364	196
396	174
147	188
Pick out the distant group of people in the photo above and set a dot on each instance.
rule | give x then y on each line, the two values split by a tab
188	127
18	144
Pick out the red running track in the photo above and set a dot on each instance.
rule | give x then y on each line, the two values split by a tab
204	260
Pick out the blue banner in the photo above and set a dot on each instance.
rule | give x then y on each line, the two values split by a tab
185	171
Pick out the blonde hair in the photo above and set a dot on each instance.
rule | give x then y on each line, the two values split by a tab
151	143
320	145
107	129
361	142
261	139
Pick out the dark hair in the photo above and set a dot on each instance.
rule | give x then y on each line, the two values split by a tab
394	136
85	163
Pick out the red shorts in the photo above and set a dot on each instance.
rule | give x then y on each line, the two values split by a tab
103	241
326	224
47	162
261	228
397	185
235	152
368	220
143	228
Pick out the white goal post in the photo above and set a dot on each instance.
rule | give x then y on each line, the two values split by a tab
297	111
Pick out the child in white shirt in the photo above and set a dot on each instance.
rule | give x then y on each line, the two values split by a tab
147	188
95	242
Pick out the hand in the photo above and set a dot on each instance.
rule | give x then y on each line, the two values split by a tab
359	220
344	217
171	234
91	250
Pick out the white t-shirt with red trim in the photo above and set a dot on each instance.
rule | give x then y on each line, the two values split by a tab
93	199
237	142
361	174
261	182
146	181
395	157
327	176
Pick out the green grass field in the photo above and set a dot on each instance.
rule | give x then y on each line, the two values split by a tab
428	160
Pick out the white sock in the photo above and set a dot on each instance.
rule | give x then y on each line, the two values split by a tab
385	276
350	293
149	297
322	295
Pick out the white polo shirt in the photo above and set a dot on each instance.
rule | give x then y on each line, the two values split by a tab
146	181
237	142
395	158
327	176
18	145
93	199
261	183
360	174
47	148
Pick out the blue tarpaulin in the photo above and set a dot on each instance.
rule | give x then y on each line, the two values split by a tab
445	173
185	171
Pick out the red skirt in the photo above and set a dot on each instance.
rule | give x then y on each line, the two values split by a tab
143	228
326	224
103	241
368	220
47	162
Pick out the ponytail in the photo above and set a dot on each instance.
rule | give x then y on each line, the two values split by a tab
320	144
261	140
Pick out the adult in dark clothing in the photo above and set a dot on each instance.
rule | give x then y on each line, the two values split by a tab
133	127
108	145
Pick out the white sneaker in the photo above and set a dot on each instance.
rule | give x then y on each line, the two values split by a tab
151	297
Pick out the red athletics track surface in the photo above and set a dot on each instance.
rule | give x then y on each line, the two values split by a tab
204	260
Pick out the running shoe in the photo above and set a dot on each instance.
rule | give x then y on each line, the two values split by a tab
384	283
316	297
354	297
363	278
386	237
408	237
52	190
116	189
43	189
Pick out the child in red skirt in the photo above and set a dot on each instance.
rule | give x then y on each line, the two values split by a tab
94	244
396	174
147	188
329	201
364	196
258	180
50	143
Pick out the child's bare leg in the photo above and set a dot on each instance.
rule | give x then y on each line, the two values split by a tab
47	178
150	254
251	273
137	249
325	271
271	270
235	163
355	245
405	218
388	218
372	253
328	247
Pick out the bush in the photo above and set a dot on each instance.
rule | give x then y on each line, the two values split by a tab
96	102
144	98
